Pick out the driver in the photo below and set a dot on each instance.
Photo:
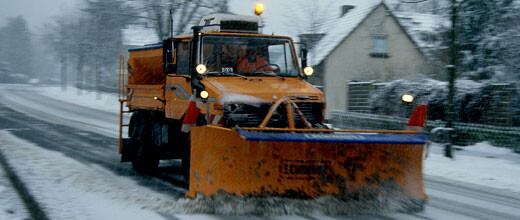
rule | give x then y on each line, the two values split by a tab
252	62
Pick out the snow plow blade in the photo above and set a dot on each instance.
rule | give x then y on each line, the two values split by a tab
299	164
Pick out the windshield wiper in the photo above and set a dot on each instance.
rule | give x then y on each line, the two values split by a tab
225	74
214	73
270	74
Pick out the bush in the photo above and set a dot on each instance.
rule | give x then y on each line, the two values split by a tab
473	100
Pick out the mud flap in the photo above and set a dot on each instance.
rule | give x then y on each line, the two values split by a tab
127	153
303	165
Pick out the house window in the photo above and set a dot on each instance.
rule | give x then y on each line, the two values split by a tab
379	46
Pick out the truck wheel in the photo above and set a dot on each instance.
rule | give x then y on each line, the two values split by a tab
145	159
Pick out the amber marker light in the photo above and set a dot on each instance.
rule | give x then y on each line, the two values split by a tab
204	94
308	71
259	8
407	98
201	68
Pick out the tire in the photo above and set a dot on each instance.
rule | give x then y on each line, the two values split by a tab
145	158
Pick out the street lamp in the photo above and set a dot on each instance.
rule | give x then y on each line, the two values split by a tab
407	98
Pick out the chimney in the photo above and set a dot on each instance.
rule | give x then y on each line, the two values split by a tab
345	9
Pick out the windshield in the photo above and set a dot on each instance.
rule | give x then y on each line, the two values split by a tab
248	56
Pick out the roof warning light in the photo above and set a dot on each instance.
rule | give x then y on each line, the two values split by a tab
259	8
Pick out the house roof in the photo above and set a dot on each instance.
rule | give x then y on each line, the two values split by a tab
417	24
340	27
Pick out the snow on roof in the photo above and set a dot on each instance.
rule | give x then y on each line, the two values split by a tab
137	35
339	28
417	24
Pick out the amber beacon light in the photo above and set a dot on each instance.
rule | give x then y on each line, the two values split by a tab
259	8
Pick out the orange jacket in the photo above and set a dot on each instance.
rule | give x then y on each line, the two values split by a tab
244	66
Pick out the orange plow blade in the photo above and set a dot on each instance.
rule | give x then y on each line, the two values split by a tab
306	165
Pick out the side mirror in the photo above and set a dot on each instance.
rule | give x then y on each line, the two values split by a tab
169	65
308	71
304	56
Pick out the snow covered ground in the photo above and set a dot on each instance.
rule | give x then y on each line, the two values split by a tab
101	194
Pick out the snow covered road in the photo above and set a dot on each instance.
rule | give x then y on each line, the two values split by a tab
55	110
68	159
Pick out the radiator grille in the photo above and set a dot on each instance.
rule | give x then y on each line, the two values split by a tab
251	115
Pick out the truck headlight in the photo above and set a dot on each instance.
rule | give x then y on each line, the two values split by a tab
201	69
204	94
308	71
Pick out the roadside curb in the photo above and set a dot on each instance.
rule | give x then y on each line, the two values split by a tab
29	201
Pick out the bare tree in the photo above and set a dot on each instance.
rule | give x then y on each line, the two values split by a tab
57	37
16	47
184	13
308	16
306	20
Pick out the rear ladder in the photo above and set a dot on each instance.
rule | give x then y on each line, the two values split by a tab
123	98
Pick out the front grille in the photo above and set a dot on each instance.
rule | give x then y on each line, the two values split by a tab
251	115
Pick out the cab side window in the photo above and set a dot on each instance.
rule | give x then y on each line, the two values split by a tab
183	58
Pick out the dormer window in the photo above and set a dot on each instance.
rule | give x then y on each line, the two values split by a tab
379	46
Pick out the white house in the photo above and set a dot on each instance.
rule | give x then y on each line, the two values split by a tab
364	42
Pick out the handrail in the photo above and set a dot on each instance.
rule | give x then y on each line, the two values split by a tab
122	98
121	86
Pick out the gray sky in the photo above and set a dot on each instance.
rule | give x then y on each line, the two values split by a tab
36	12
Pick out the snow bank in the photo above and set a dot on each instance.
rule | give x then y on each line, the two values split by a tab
11	205
490	172
102	101
486	147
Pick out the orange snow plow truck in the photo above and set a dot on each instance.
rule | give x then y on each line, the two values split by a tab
235	106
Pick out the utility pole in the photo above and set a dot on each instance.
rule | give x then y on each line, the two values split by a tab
452	71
